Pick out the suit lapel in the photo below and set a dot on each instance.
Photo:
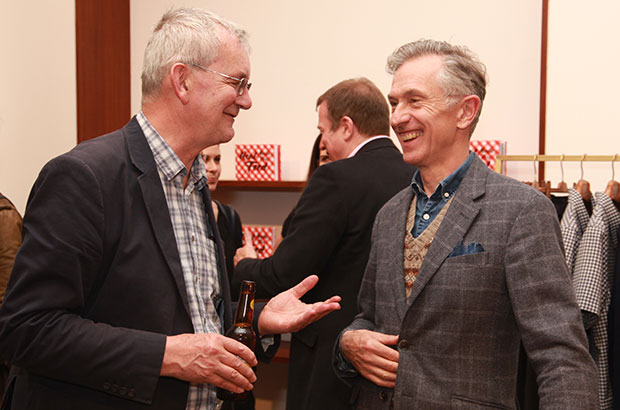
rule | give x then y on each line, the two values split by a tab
394	251
456	223
155	203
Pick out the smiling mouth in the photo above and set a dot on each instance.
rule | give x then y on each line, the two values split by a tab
410	136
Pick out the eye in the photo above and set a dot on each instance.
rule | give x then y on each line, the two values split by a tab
217	159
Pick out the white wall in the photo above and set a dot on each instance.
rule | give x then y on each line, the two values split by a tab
38	90
583	87
300	49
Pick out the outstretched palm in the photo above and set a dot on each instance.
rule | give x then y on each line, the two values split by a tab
287	313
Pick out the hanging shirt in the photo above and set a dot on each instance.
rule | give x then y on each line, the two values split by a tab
574	223
592	279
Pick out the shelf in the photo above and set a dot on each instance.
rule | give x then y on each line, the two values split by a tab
285	186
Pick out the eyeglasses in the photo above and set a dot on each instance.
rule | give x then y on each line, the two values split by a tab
242	83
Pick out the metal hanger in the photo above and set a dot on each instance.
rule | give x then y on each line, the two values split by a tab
613	187
582	186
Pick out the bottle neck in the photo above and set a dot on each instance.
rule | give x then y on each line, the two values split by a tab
245	308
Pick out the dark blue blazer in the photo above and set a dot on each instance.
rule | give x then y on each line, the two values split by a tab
97	285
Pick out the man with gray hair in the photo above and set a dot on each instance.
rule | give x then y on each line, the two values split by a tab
464	265
119	294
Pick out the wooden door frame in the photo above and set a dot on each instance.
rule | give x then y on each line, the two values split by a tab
103	71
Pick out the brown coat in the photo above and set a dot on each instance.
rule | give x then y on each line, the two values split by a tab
10	239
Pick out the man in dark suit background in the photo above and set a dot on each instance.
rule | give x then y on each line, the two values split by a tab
119	294
465	265
330	232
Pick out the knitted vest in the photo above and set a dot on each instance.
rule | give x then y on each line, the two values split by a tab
416	248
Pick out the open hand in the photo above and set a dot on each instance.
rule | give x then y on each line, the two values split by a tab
286	313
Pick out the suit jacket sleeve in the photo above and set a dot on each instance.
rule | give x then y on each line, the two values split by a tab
545	309
364	320
319	222
42	322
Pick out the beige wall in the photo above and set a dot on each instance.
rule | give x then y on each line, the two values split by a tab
302	48
584	87
38	90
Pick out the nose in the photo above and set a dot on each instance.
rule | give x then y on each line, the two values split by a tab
244	100
210	166
399	117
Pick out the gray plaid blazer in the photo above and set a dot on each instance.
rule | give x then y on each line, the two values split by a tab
461	329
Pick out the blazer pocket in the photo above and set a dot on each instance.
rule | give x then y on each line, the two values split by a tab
480	258
464	403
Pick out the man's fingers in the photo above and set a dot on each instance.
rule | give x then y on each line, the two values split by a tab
247	237
239	351
304	286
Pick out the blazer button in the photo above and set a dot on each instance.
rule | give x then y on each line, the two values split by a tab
131	393
383	395
403	344
123	391
114	388
106	386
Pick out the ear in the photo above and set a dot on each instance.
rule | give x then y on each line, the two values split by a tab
348	127
180	82
470	105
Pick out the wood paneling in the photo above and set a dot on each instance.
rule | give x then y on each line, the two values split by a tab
103	66
543	88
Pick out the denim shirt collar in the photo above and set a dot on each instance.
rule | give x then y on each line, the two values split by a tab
448	185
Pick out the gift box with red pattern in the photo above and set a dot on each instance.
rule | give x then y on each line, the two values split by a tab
263	239
488	150
257	162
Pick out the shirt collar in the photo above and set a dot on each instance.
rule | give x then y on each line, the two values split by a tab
449	184
167	160
359	147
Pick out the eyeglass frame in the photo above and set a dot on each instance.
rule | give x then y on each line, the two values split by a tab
243	83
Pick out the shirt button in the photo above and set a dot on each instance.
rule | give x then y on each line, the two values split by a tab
403	344
446	194
426	217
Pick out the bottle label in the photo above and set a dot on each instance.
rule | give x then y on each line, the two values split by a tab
244	362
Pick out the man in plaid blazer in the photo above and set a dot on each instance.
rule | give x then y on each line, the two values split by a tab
445	333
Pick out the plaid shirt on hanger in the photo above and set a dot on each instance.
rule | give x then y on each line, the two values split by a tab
574	223
592	280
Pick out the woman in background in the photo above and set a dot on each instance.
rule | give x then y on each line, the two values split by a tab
229	226
228	220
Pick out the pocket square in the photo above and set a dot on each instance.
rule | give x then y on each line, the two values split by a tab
469	249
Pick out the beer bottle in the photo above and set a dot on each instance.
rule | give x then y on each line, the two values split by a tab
242	332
